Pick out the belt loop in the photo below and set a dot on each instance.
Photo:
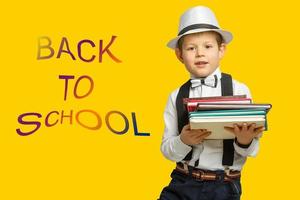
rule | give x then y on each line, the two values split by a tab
185	166
188	169
220	177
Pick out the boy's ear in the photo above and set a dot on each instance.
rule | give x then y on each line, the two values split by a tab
222	50
178	54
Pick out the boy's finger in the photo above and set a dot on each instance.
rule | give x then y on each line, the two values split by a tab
203	132
196	136
259	130
196	133
240	125
252	127
204	135
244	127
236	128
259	127
199	130
186	127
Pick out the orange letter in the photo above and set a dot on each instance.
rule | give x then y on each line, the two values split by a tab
103	50
47	46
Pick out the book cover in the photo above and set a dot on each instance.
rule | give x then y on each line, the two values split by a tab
223	106
216	125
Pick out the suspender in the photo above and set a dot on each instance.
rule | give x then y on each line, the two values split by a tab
182	116
182	113
228	149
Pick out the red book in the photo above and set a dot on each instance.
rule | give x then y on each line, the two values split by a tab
191	103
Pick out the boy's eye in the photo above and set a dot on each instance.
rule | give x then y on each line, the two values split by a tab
191	48
208	46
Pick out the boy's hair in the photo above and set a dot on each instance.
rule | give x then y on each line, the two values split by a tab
219	39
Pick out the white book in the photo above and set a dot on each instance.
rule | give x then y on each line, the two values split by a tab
216	125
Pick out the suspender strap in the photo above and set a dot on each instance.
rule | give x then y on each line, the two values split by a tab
226	84
182	113
228	148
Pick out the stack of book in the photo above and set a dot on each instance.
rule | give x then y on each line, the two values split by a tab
215	113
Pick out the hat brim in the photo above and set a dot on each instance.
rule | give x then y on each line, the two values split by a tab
227	36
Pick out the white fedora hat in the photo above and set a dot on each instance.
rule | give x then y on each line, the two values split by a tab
198	19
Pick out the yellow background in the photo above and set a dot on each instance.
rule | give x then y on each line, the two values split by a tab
70	162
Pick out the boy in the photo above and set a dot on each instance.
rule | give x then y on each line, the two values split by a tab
205	169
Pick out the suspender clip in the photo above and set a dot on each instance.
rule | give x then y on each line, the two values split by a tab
185	166
227	170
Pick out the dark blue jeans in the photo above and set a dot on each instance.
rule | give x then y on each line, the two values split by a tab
184	187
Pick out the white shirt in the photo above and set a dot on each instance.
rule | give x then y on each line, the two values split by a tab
209	152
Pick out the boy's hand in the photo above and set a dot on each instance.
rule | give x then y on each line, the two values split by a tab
245	133
193	137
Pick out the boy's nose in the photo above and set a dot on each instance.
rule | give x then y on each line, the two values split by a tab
199	53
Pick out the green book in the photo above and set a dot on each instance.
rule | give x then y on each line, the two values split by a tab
240	112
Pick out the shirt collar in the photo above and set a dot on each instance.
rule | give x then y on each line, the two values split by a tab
217	72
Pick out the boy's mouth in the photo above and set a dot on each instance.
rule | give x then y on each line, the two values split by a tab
201	63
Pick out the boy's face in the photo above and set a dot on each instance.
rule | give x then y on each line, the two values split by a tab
200	53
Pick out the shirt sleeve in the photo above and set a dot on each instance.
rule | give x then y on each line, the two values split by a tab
252	150
172	147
